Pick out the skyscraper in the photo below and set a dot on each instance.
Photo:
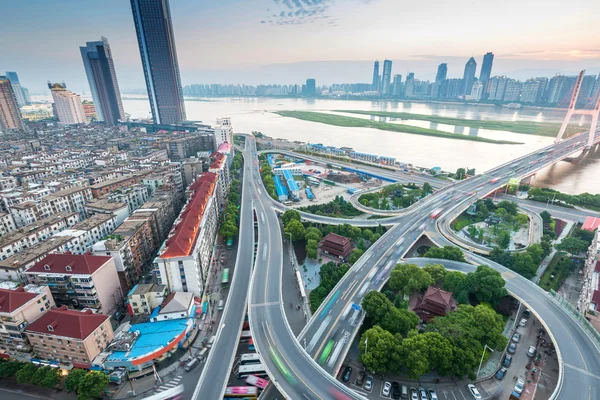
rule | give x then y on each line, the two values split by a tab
409	86
100	71
386	77
311	87
67	105
486	69
442	72
397	86
375	86
10	116
469	76
17	89
156	41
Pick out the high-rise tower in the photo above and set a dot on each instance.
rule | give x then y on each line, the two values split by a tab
442	72
375	85
386	77
67	105
486	69
469	76
100	71
10	116
156	41
17	88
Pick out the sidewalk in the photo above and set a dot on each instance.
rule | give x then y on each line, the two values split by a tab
22	390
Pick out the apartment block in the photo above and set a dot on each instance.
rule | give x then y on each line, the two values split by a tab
134	196
220	167
84	234
7	224
75	197
19	307
145	297
70	336
184	258
176	306
83	281
104	206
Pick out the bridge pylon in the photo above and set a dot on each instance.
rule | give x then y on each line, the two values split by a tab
572	111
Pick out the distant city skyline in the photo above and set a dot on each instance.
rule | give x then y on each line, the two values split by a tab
269	41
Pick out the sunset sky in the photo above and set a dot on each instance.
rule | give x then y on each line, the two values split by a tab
287	41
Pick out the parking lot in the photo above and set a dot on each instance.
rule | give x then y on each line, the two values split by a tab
490	388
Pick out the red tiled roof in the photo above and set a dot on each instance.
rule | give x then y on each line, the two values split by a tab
596	298
597	269
68	323
185	233
11	300
82	264
591	223
438	296
218	160
336	239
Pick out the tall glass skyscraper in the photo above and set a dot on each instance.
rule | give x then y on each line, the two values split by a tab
17	88
156	41
469	76
442	72
375	85
486	69
100	71
386	77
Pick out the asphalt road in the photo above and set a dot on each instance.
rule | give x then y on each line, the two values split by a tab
335	320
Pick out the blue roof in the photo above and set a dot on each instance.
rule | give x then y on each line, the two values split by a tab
153	336
132	290
356	153
155	312
279	188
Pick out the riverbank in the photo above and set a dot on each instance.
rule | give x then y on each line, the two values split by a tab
525	127
350	122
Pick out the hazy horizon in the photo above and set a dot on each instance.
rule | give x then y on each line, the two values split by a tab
287	41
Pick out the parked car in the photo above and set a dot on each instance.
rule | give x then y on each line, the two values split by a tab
387	387
516	337
347	373
523	322
512	348
519	386
422	394
474	392
526	313
413	394
395	390
500	374
361	378
531	351
432	394
507	360
368	383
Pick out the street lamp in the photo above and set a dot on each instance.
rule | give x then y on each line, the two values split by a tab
483	354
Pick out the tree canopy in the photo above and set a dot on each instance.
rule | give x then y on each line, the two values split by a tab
485	284
407	278
445	253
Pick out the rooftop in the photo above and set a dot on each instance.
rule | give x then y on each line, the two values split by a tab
31	229
72	264
92	222
68	323
143	288
13	299
218	160
177	302
104	204
591	223
66	192
336	239
33	253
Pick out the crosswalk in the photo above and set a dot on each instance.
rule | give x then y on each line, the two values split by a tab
170	384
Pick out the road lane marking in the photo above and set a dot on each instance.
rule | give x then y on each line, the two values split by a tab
581	370
272	303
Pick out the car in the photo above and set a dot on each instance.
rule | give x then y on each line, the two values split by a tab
500	374
413	394
516	337
387	387
347	373
523	322
526	313
422	394
432	394
395	390
507	361
531	351
512	348
368	383
361	378
519	386
474	392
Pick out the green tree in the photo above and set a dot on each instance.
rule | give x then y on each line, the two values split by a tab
296	229
312	249
377	347
26	374
509	206
51	378
290	215
228	230
312	233
503	239
485	284
9	368
521	219
73	379
427	189
522	263
446	253
355	255
536	251
330	274
472	230
546	217
546	245
436	271
572	245
92	385
431	352
585	235
406	278
460	174
367	234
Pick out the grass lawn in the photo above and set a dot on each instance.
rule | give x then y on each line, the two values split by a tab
463	220
338	120
531	128
559	266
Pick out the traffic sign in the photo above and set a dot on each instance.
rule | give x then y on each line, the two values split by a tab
356	306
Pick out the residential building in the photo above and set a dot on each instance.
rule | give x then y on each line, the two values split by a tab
469	76
220	167
434	303
497	87
67	105
192	169
409	86
336	245
476	91
442	72
10	116
533	90
145	297
223	132
101	75
134	196
76	198
70	336
397	86
560	89
589	297
311	87
7	224
375	85
105	206
177	305
386	77
17	89
184	258
83	281
156	41
486	70
586	91
19	307
513	90
161	210
87	232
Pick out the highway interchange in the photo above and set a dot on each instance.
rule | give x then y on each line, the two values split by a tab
295	371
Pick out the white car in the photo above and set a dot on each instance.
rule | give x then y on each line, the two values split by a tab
519	386
523	322
474	392
386	389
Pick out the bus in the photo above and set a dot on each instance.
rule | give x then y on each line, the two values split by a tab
326	351
229	243
251	345
175	393
256	381
245	336
241	391
225	278
250	358
436	213
252	369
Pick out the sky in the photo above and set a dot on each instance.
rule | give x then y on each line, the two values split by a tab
287	41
